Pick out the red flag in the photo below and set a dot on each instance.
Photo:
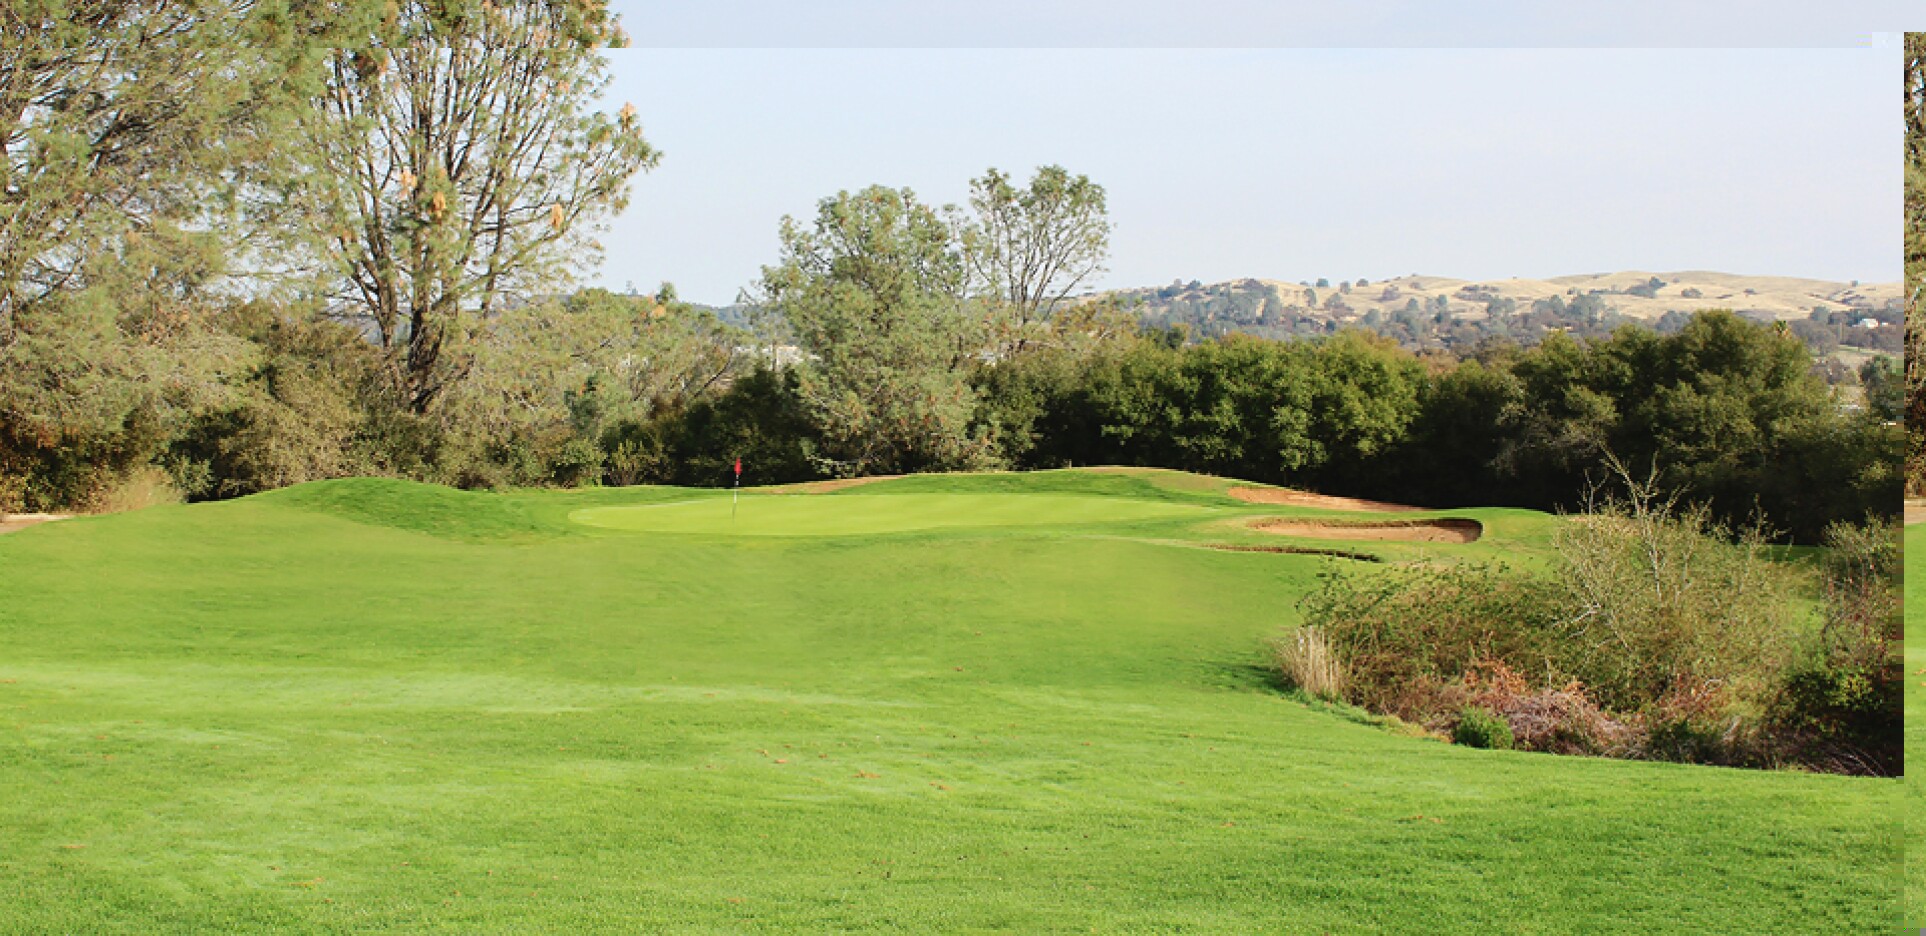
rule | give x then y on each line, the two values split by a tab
738	467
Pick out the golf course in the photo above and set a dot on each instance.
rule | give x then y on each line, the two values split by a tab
1019	702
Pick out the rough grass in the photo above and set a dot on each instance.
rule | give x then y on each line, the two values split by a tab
374	706
1306	660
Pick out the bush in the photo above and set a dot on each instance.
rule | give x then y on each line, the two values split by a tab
636	453
1564	720
1846	700
1306	659
1408	635
1656	633
1657	595
761	419
1481	729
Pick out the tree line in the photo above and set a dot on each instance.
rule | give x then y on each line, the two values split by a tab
348	247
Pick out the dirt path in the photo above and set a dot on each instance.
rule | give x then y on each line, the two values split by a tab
1252	495
10	523
1412	531
824	487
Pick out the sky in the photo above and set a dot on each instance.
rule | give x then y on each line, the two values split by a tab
1261	23
1288	163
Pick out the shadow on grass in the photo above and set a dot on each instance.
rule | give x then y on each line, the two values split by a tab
1262	677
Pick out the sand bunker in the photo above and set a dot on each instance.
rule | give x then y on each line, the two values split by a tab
1915	512
1252	495
1410	531
11	522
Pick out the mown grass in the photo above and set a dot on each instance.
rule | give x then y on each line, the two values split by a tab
766	515
371	705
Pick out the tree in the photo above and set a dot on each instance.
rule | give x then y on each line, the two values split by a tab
123	125
637	357
1915	254
874	292
117	116
1031	248
457	165
1360	395
1885	389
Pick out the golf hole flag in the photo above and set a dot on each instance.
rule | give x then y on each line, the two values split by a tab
734	492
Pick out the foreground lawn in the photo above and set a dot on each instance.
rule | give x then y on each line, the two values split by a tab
998	704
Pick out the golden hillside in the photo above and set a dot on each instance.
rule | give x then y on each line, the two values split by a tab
1778	297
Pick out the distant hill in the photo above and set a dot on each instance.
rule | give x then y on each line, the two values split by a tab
1423	311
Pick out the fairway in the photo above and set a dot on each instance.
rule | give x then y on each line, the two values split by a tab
379	706
854	514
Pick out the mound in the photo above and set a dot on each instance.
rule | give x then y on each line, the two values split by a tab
1417	531
421	508
1284	496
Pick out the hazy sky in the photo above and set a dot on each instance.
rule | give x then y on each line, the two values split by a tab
1290	163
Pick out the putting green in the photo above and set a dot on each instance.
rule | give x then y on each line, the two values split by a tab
850	515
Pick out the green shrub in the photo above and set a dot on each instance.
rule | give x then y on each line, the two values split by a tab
1481	729
1408	635
1656	595
1851	717
1656	632
635	453
1846	700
